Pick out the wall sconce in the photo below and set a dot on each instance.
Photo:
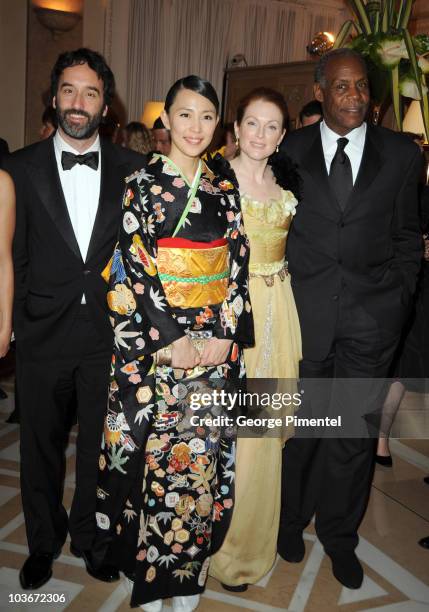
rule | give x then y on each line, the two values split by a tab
57	16
236	61
151	111
321	43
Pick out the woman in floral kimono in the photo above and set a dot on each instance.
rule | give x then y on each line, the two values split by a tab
178	279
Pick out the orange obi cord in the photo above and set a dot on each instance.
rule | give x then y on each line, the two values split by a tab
193	274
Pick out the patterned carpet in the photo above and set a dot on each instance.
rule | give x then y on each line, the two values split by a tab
396	568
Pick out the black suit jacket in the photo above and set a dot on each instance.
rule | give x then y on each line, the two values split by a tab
374	246
50	274
4	151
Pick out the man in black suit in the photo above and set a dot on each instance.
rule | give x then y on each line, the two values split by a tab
69	191
354	252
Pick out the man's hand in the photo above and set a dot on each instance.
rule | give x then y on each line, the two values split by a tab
215	352
183	354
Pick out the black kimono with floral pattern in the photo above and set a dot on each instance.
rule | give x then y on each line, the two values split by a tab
166	488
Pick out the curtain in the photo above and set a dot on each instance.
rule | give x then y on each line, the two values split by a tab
169	39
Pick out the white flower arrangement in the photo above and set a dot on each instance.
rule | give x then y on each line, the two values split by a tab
398	61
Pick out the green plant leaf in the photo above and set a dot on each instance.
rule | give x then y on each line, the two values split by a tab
385	17
423	63
396	96
421	43
390	12
377	23
360	12
413	59
406	12
372	8
343	34
400	13
424	105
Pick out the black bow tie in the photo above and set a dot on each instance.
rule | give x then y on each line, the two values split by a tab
68	160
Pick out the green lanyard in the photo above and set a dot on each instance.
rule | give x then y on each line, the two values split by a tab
193	190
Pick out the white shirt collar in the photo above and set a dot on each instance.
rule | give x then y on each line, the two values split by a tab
61	145
355	137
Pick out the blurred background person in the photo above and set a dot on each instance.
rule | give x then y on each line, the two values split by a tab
224	142
137	137
411	365
161	139
231	147
49	123
110	126
310	113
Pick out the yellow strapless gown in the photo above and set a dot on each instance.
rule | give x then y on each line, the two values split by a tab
250	546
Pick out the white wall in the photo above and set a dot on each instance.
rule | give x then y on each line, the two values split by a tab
13	52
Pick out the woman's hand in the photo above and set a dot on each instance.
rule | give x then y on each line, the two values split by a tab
215	352
4	341
183	354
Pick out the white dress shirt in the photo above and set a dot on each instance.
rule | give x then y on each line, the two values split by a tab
81	189
353	149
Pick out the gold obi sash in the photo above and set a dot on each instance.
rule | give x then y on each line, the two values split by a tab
193	274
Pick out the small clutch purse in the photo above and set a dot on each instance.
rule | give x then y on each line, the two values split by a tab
198	340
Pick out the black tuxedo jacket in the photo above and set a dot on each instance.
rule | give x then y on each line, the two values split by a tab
4	151
374	246
50	274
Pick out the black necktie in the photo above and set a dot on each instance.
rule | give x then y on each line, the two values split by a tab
68	160
340	174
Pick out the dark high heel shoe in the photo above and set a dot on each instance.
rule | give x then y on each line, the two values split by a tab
239	588
385	460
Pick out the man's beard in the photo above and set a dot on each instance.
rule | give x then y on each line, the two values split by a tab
76	131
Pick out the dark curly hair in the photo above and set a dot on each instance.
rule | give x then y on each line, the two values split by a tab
94	60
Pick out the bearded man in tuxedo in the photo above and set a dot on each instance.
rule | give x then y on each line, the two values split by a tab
68	191
354	252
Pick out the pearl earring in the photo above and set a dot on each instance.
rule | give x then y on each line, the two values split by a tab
277	148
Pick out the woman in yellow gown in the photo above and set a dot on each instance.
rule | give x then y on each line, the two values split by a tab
267	187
